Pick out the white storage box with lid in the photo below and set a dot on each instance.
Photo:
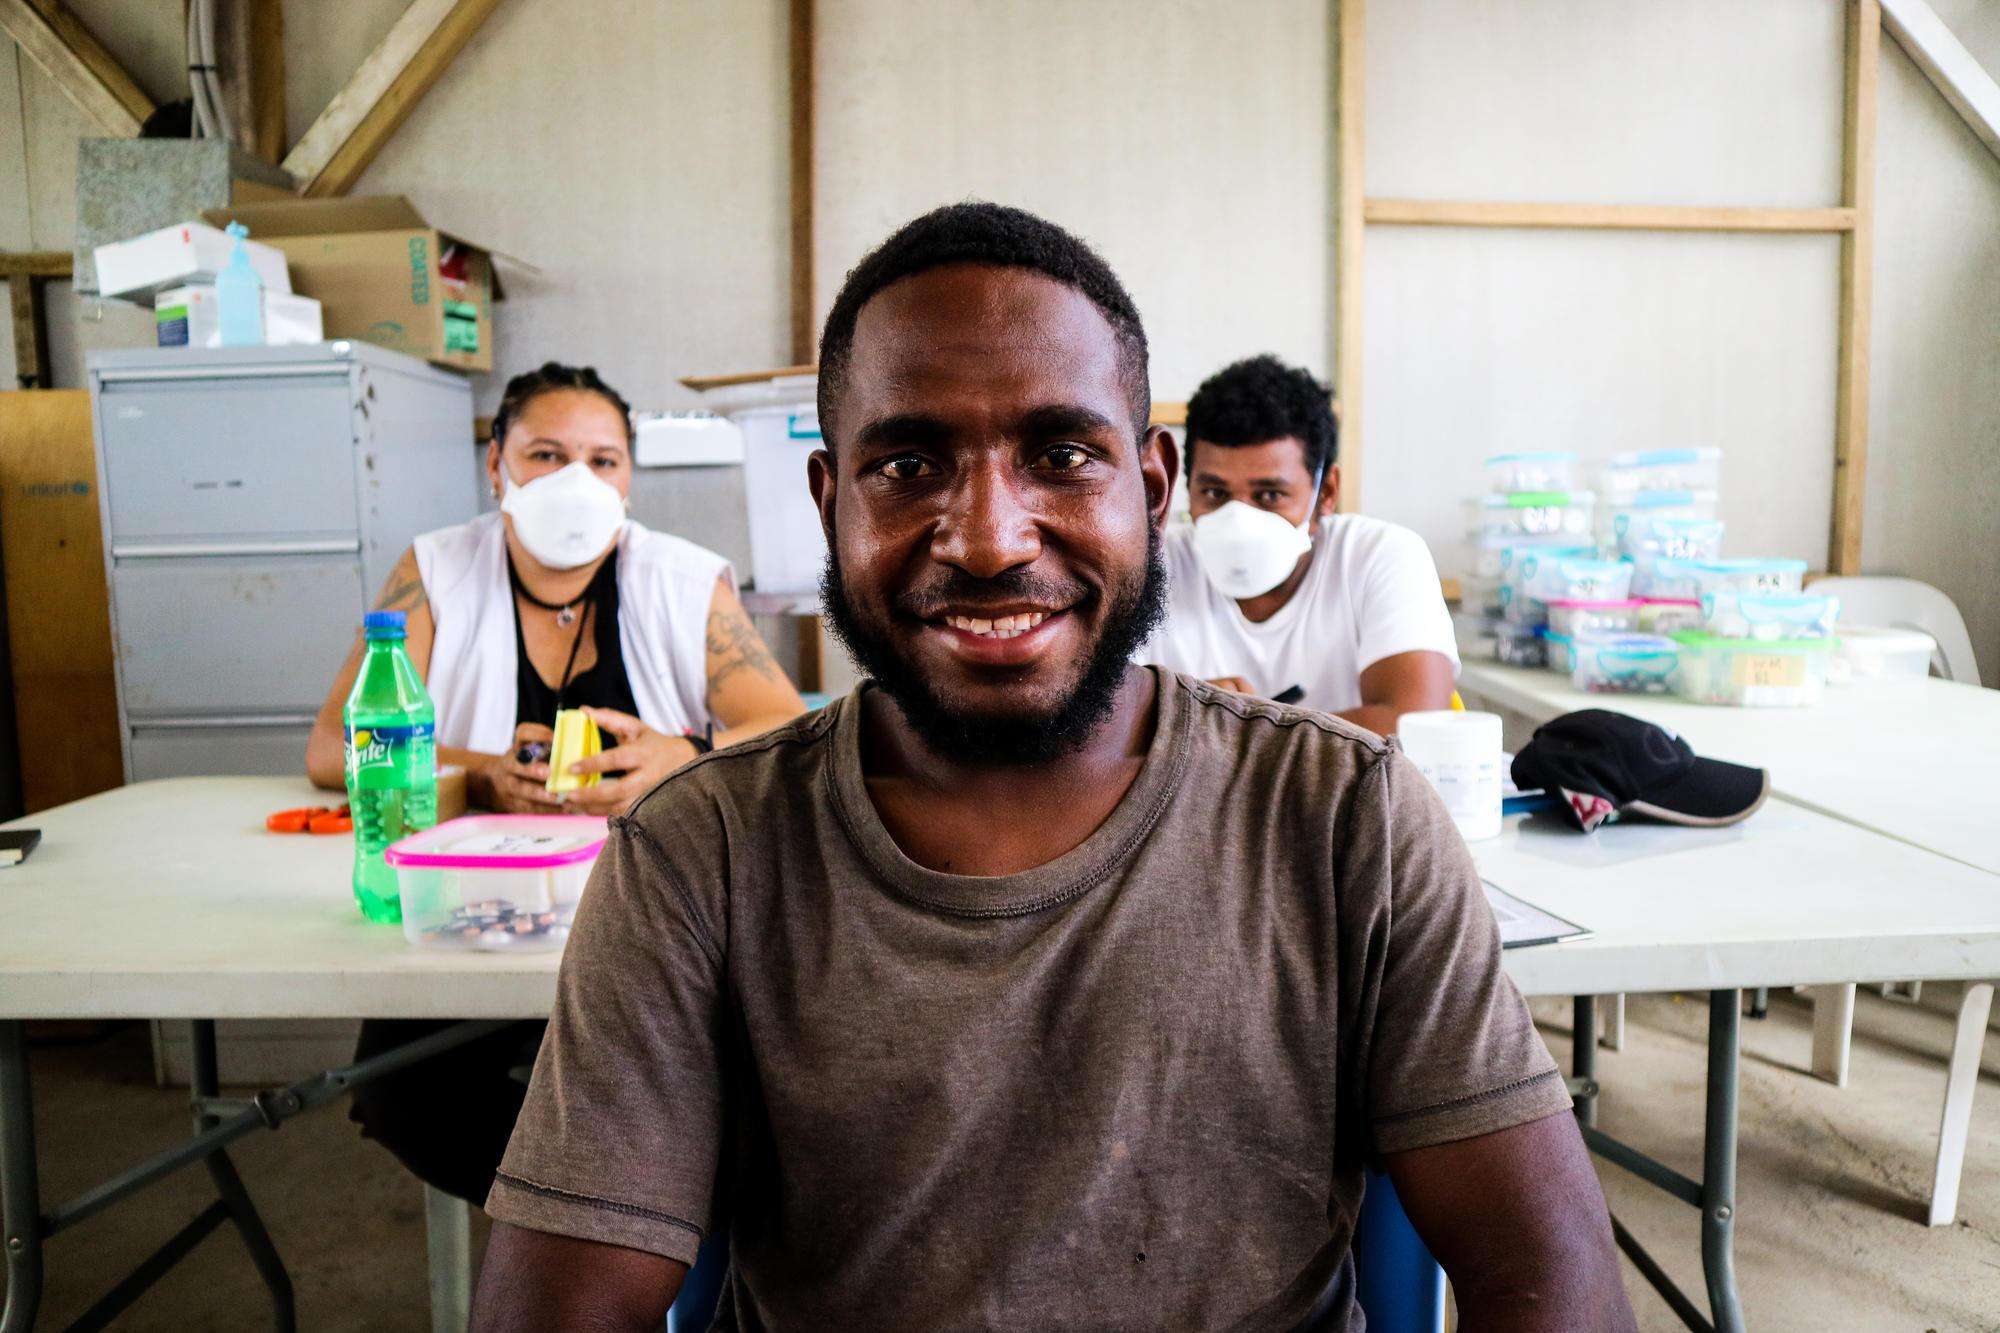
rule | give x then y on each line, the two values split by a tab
143	266
779	418
1868	652
495	882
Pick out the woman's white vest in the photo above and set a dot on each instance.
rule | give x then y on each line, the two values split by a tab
665	587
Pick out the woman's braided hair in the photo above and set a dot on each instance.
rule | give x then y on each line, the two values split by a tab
551	376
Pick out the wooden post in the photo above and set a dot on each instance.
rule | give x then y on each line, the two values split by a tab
805	339
1857	283
1348	250
26	274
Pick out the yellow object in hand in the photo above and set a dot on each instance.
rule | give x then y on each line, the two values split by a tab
576	738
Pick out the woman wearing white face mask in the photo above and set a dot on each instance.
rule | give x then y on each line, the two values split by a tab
560	601
1275	593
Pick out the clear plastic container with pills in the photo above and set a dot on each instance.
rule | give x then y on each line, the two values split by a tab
1673	538
1764	575
1534	514
1542	577
1573	616
1621	663
1731	613
1494	554
1631	520
1663	579
1535	470
1520	645
1662	470
1748	673
1666	615
495	883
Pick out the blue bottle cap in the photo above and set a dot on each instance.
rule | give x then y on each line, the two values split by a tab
380	624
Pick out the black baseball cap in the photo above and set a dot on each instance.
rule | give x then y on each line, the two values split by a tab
1602	765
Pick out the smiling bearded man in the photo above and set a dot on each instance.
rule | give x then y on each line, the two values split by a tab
1024	987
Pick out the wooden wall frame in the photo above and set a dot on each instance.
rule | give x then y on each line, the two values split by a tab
1853	220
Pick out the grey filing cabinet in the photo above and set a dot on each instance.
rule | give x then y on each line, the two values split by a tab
254	499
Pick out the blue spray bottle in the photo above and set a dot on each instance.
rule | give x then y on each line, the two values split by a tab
239	296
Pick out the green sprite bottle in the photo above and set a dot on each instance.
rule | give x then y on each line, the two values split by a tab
391	761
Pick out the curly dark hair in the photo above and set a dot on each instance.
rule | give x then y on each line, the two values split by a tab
1262	399
996	235
549	377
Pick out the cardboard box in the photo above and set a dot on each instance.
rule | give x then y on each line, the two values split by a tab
384	275
138	268
188	317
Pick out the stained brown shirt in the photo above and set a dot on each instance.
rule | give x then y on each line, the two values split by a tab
1131	1088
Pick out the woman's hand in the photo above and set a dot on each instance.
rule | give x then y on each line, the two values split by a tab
517	788
643	755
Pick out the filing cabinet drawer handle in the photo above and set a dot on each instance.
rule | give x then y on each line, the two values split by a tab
164	550
109	376
213	723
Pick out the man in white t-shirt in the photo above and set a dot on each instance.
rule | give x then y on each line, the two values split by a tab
1273	592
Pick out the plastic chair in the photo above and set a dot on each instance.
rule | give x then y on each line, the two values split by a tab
701	1290
1399	1286
1900	603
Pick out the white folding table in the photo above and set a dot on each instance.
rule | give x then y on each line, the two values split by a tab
168	900
1915	760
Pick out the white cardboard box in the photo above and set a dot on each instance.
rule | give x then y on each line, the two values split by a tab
188	252
188	317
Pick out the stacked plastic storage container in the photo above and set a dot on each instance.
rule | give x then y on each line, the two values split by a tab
1531	520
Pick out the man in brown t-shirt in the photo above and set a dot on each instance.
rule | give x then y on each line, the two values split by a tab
1024	987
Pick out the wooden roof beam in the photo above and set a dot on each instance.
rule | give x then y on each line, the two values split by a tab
88	75
362	116
1959	78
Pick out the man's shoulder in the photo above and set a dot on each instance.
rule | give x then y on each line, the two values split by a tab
778	765
1364	533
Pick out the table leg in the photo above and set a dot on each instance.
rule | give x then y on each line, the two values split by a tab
20	1187
206	1083
1956	1121
1612	1013
1583	1056
448	1243
1833	1031
1718	1174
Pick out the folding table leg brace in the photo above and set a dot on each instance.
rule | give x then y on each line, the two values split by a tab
24	1227
1714	1194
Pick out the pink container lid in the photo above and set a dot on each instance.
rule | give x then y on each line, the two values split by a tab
1669	601
501	842
1623	603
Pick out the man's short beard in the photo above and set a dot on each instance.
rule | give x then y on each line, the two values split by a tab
987	738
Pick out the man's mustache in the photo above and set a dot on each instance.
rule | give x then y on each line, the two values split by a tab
955	588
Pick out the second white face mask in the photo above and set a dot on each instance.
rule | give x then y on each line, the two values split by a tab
564	518
1247	551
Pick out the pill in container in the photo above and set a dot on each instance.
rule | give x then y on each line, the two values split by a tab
1580	616
1745	673
1624	663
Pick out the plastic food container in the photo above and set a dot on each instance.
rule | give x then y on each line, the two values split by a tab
1534	513
1664	615
495	882
1561	650
1731	613
1674	538
1662	470
1754	575
1865	652
1554	577
1478	636
1540	470
1494	554
1520	645
1624	663
1658	578
1575	616
1746	673
1481	596
1628	520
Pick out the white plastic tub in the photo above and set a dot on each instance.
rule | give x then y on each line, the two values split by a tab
1866	652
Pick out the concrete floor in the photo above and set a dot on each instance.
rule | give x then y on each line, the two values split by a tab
1829	1235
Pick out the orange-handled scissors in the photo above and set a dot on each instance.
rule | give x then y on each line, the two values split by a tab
311	819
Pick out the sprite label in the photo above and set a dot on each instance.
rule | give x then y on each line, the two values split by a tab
379	756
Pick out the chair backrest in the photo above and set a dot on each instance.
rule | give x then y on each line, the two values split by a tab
1399	1286
1900	603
